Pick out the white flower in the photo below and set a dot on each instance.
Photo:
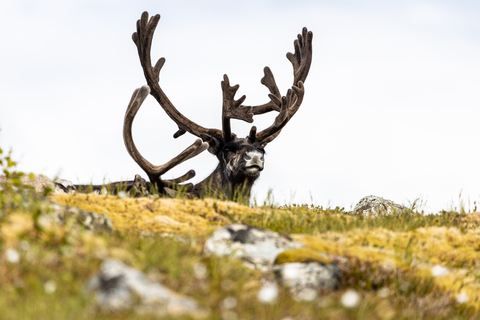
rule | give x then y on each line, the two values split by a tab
306	294
462	298
383	293
350	299
229	303
439	271
50	286
268	293
200	270
12	256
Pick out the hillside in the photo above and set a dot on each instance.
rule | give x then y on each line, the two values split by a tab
87	256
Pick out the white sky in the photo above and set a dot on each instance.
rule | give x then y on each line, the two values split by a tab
391	107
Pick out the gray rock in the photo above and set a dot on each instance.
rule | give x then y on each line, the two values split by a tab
90	220
256	247
303	279
64	186
119	287
374	206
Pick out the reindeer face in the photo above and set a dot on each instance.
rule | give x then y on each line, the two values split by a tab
243	159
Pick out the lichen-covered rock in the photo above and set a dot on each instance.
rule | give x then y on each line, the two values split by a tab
63	185
303	277
38	182
90	220
374	206
119	287
257	247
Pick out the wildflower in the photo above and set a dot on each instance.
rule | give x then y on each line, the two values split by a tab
268	293
12	256
229	303
350	299
439	271
306	294
383	293
462	298
200	271
50	286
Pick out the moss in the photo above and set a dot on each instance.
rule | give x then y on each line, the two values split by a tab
158	215
301	255
416	251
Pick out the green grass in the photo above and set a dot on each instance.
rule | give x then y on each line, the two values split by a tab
56	261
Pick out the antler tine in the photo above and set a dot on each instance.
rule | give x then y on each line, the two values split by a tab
143	40
288	106
153	172
233	109
301	60
173	183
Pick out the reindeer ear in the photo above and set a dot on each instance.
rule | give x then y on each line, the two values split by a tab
252	135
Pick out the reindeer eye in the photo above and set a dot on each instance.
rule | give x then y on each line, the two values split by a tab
231	149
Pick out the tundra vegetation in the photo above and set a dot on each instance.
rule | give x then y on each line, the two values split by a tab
409	265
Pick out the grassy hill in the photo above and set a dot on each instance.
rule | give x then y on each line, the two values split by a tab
404	266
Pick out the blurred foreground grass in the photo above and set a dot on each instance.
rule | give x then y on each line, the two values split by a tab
406	266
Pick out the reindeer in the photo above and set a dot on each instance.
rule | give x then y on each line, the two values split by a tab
240	160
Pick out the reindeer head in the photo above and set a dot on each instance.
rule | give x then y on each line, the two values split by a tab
240	159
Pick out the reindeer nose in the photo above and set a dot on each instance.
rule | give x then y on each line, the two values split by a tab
254	159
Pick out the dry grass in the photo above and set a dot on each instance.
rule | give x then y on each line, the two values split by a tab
392	262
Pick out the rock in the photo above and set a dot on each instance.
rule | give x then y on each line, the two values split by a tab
374	206
305	279
39	182
119	287
63	185
90	220
256	247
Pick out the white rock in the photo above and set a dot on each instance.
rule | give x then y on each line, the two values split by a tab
256	247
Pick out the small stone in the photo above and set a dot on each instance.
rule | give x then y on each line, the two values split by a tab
350	299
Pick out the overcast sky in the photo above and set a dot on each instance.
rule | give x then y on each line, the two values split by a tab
391	108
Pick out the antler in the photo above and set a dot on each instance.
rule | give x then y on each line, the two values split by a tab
233	109
301	60
154	172
143	40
